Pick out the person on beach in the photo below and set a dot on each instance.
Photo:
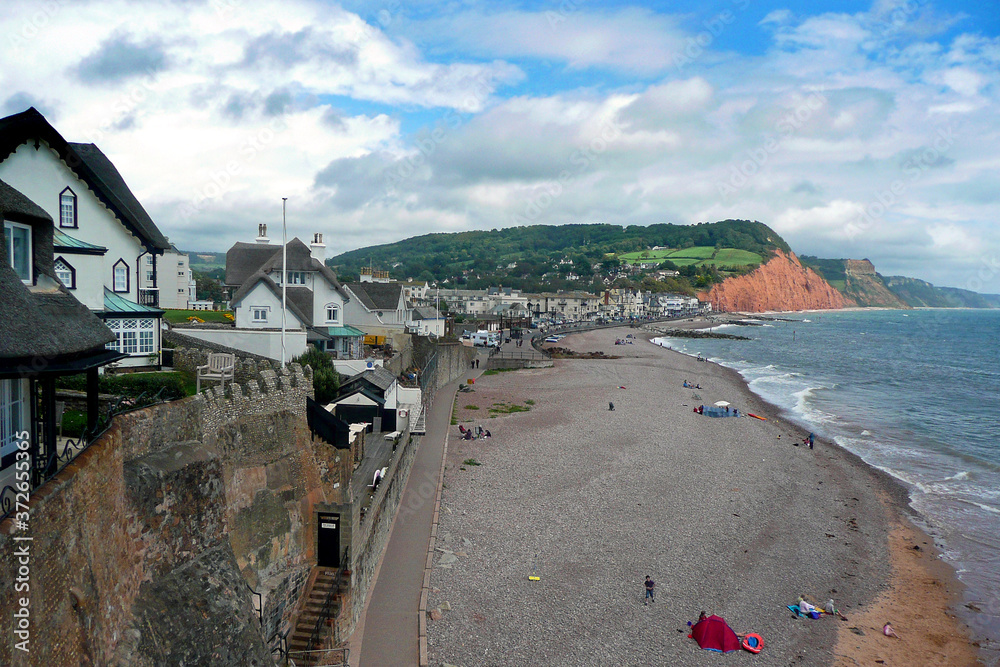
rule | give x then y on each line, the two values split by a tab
888	631
650	585
811	440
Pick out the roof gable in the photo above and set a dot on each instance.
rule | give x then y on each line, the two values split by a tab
378	296
91	166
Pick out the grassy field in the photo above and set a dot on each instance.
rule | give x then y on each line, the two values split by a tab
697	252
698	255
181	316
733	257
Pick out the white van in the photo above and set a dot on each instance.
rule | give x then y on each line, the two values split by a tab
485	339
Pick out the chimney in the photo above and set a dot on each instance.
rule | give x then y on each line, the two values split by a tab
262	234
317	248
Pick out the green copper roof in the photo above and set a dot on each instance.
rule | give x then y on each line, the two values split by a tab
116	303
344	331
64	241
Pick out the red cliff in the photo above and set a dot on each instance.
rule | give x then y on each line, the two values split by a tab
780	284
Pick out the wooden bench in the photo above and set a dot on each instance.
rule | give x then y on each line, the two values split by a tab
221	366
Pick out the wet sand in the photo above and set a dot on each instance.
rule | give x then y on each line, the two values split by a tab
726	517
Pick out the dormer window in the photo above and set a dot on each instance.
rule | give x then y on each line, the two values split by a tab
332	312
19	249
65	273
120	277
67	209
294	277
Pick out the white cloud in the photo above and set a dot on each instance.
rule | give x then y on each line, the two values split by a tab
235	109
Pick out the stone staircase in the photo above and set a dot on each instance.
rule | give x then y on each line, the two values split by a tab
324	587
419	420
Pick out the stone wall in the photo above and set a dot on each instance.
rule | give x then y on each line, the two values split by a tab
146	548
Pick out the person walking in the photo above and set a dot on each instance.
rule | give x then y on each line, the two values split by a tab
650	586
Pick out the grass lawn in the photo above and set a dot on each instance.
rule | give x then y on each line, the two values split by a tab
697	252
733	257
180	316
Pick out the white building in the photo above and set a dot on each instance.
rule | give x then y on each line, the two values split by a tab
102	234
177	288
316	301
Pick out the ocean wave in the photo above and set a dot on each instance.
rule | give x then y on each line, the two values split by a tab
958	476
982	506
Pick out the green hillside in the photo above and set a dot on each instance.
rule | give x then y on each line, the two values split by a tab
922	294
543	256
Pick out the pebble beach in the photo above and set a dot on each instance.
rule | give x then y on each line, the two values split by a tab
726	515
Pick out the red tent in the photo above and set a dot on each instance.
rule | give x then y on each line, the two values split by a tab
714	634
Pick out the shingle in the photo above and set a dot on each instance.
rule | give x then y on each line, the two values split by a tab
377	296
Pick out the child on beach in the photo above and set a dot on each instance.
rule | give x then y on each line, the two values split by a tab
650	585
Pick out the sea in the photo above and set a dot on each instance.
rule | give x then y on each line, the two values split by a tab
914	393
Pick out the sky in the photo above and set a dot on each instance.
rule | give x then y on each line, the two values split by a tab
853	129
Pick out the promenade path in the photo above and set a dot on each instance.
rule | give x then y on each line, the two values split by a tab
389	625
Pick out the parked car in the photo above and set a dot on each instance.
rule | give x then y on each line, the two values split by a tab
552	339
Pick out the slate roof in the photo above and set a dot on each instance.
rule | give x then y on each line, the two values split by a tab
377	296
377	377
358	389
426	313
91	165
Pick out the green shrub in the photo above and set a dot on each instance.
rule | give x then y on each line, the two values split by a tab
471	462
73	423
471	407
132	385
326	380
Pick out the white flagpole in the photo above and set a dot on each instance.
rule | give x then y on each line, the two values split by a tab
284	276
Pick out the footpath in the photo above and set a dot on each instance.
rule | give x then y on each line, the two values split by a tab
388	629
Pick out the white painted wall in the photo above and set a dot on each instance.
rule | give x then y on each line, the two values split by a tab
262	296
263	343
88	292
173	276
41	175
323	294
354	366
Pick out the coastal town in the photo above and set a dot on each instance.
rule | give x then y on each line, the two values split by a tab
345	334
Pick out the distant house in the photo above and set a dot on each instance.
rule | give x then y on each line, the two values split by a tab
316	301
175	281
377	308
367	395
45	332
102	234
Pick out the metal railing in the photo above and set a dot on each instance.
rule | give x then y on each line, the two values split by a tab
149	296
326	612
56	462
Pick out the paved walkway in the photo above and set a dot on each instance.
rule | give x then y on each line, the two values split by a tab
390	625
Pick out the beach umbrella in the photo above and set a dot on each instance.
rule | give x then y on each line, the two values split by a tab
714	634
722	404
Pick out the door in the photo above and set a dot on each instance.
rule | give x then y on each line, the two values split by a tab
328	534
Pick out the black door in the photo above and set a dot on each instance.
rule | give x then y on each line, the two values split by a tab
328	548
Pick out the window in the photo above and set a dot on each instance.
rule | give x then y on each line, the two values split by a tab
133	336
259	313
332	313
13	417
294	277
65	273
19	249
181	290
67	209
120	276
181	274
149	276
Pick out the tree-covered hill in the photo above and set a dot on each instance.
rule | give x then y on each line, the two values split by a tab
548	257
